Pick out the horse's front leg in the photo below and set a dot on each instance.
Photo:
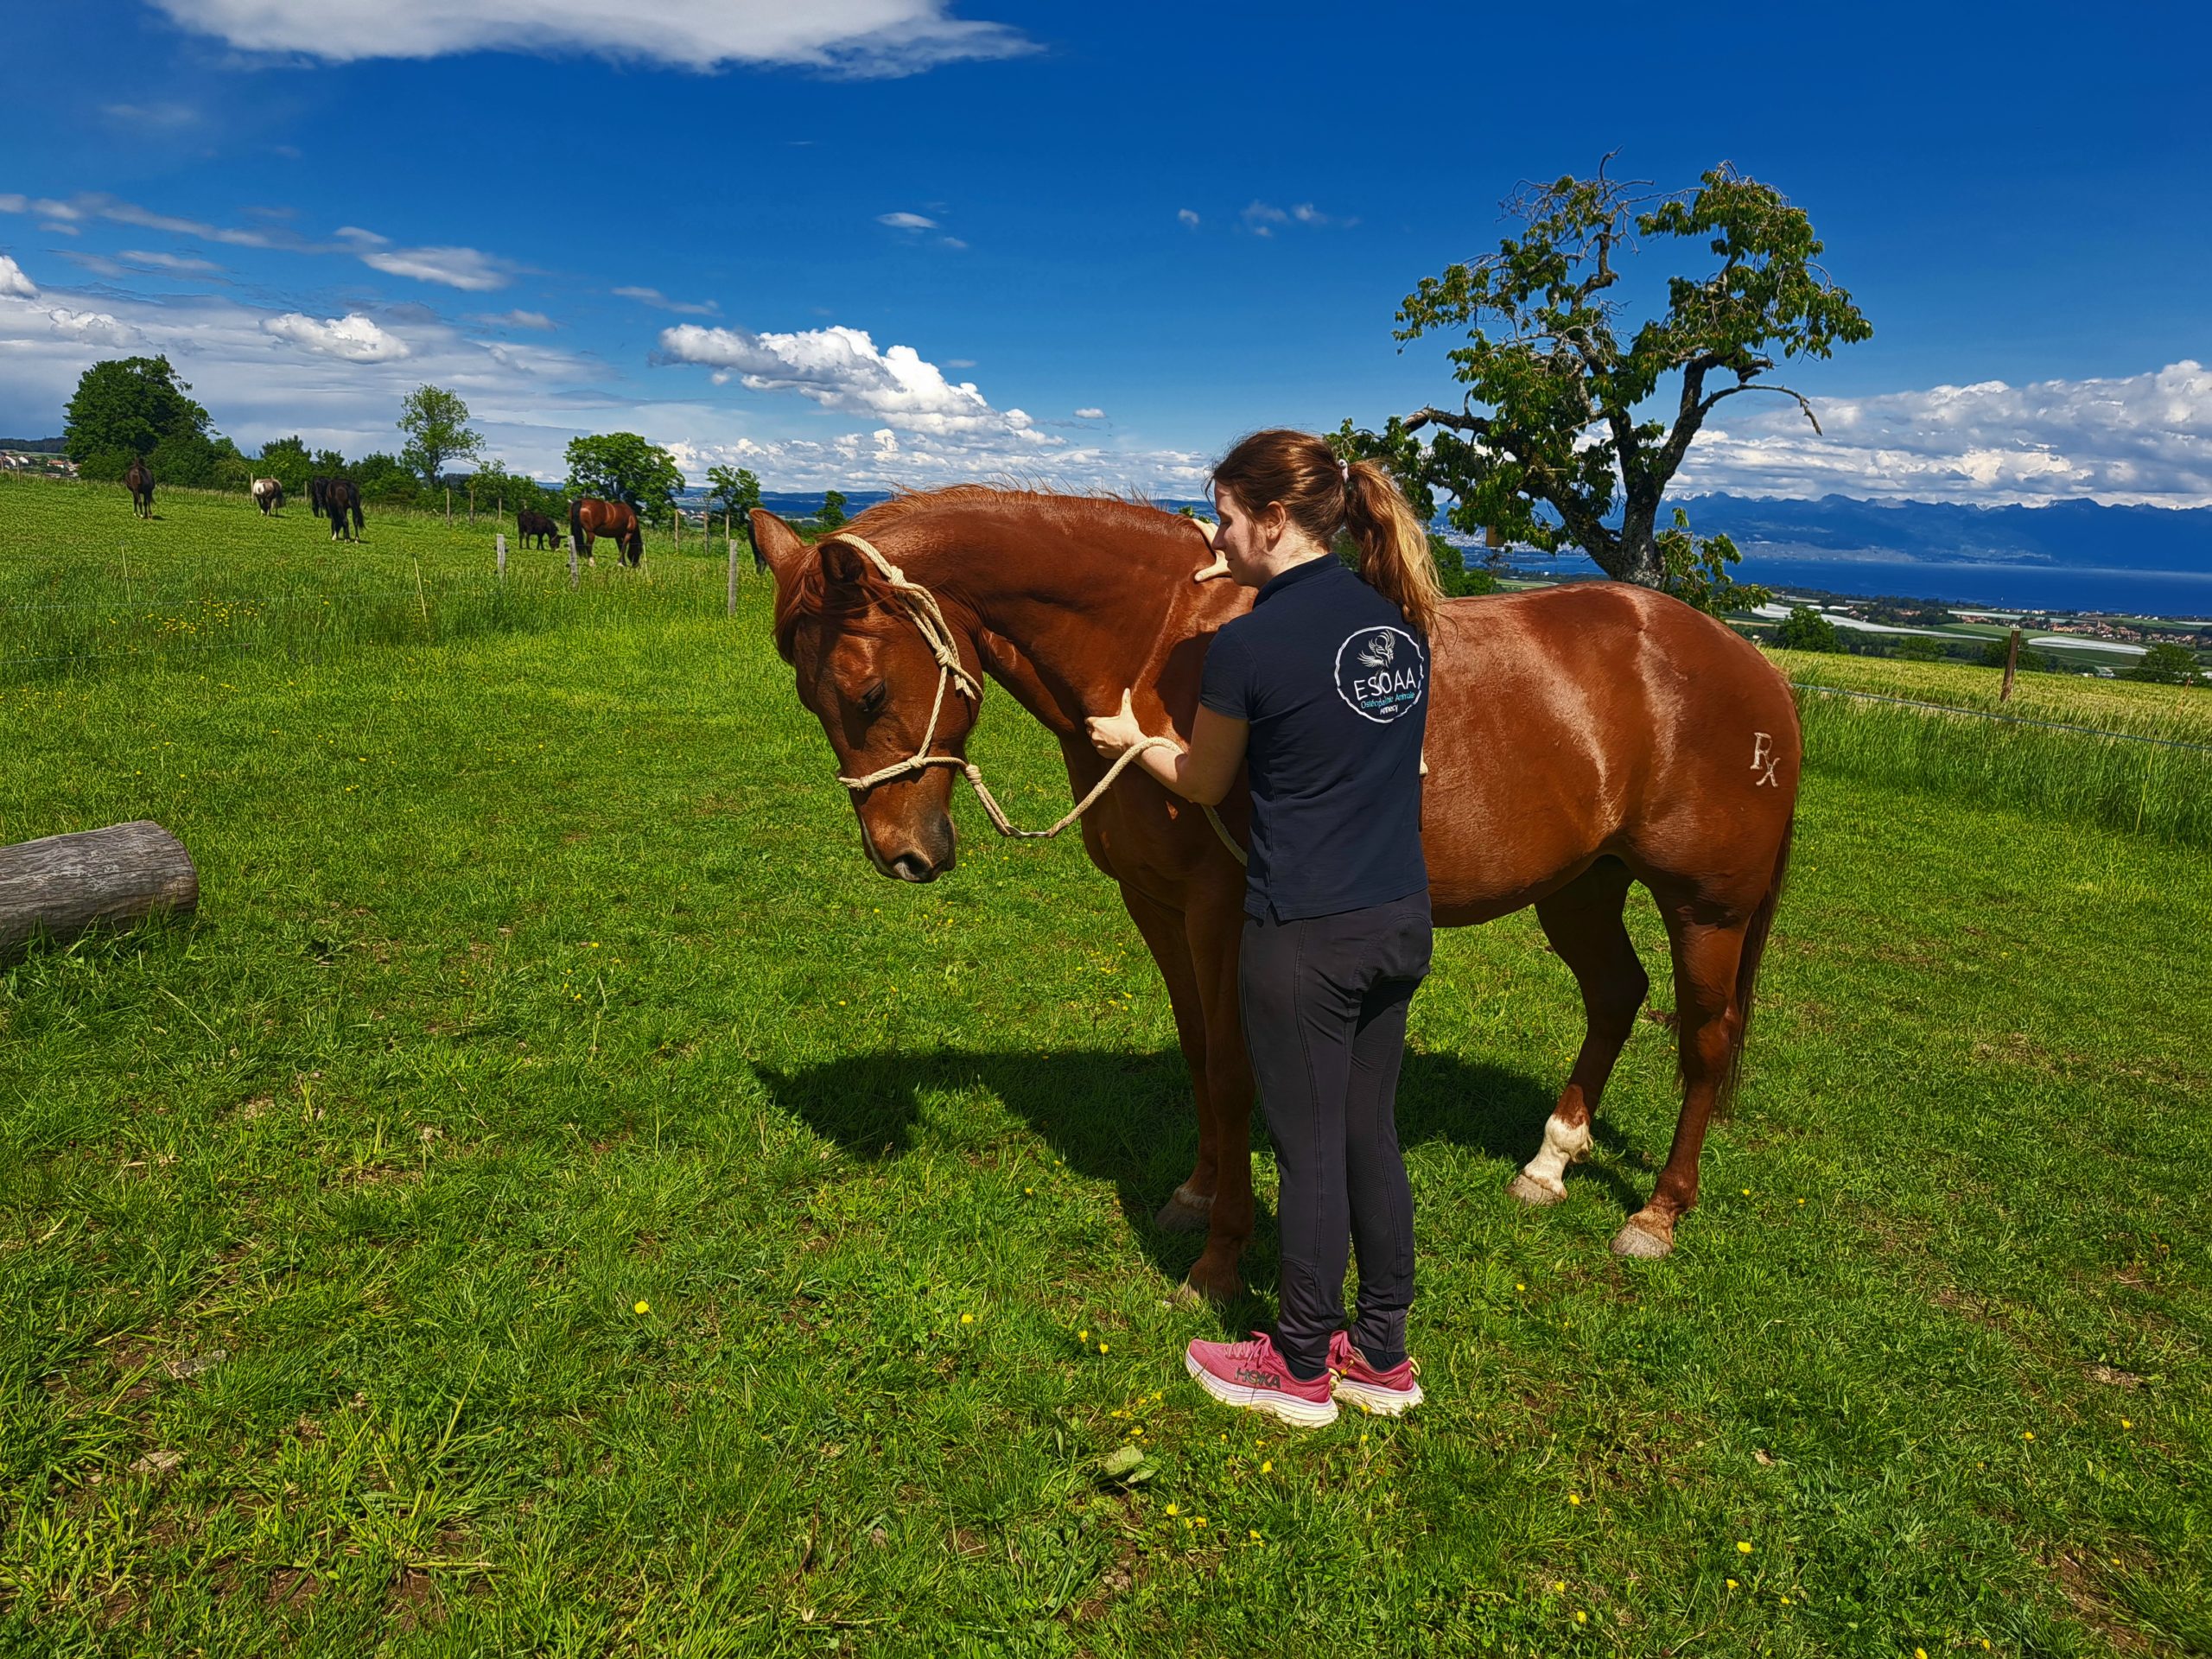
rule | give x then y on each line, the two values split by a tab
1190	1207
1215	928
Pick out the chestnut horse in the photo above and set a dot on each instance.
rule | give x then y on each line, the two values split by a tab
591	518
1579	739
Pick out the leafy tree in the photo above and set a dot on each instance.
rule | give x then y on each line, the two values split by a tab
1453	573
1695	568
437	424
734	489
623	467
1546	444
2166	664
498	488
129	405
287	460
1805	629
386	479
832	515
329	463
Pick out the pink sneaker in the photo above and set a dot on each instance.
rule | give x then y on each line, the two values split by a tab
1384	1393
1253	1375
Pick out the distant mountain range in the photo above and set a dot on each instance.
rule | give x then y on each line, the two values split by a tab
2077	535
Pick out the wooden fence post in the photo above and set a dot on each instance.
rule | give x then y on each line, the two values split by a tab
733	572
472	502
679	529
63	885
572	561
2011	663
500	542
448	506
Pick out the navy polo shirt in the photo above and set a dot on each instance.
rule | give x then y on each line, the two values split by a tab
1335	687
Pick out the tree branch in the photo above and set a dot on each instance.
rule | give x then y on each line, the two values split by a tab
1705	408
1435	416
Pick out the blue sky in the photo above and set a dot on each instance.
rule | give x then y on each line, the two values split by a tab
715	223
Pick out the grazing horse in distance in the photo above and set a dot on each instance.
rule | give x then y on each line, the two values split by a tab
268	495
317	487
340	497
536	526
139	480
1580	739
591	518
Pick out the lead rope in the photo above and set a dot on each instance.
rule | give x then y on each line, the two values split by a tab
922	609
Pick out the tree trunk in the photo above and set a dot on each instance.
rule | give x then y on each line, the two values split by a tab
62	886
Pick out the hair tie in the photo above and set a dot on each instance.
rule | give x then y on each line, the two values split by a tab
1345	467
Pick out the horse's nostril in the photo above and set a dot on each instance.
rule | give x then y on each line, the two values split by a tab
912	867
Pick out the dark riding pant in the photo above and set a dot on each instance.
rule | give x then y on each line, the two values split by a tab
1324	1003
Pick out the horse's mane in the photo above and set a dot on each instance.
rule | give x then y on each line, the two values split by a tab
809	595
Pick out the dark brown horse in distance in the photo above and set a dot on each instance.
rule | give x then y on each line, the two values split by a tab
1579	739
335	499
138	479
535	526
591	518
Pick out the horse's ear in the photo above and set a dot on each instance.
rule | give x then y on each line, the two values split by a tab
843	564
777	543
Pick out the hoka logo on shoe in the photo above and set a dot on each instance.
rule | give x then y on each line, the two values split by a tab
1252	1379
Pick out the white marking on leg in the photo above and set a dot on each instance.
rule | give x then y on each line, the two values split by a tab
1564	1143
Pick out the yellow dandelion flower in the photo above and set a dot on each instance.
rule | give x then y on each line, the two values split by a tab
1174	1509
1253	1533
1743	1547
2124	1423
2027	1433
1083	1336
1520	1286
1266	1466
1574	1498
1581	1617
967	1319
1559	1583
642	1307
1920	1653
1102	1348
1197	1520
1731	1583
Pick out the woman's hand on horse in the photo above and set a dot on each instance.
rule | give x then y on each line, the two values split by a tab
1112	734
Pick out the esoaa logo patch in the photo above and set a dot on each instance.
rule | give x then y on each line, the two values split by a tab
1382	673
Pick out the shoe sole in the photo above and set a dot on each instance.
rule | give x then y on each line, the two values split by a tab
1379	1403
1300	1413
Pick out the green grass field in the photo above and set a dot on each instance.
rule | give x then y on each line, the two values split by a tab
556	1199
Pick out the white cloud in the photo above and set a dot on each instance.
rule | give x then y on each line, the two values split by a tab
466	269
1091	414
2144	438
353	338
660	302
170	261
865	37
13	282
1262	218
906	221
840	368
163	116
1184	215
518	319
91	327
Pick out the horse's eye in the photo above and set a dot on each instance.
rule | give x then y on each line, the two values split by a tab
872	699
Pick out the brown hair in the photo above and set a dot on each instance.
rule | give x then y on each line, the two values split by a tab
1323	496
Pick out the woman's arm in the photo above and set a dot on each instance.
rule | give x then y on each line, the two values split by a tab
1203	772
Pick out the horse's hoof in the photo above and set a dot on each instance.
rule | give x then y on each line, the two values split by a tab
1220	1289
1184	1212
1643	1241
1525	1187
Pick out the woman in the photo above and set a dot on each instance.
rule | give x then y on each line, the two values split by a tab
1323	689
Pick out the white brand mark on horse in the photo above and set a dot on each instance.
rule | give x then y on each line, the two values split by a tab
1763	753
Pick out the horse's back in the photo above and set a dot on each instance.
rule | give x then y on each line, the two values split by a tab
1569	723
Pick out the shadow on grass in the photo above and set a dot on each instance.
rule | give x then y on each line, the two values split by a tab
1127	1118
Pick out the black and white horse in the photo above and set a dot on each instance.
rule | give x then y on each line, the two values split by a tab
268	495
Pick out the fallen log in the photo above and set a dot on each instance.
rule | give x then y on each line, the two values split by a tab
63	885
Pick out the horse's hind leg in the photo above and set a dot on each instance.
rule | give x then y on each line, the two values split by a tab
1583	922
1709	1029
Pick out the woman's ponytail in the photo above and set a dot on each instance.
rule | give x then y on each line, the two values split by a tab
1393	545
1323	495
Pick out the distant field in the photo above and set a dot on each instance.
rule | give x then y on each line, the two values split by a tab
556	1199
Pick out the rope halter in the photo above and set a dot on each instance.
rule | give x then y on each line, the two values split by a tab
928	618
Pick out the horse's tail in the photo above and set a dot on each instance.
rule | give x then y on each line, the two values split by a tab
355	503
1747	965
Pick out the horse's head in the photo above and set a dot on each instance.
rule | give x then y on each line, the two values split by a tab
870	676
